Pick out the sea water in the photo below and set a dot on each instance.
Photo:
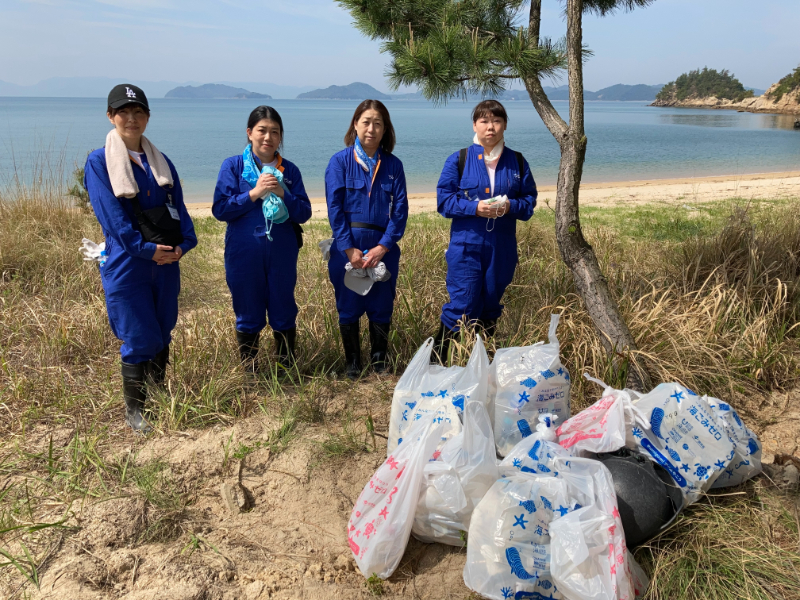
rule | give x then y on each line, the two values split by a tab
626	140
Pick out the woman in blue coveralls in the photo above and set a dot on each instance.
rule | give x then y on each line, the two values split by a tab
262	198
365	188
141	276
482	255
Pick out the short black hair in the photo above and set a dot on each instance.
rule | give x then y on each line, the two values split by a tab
265	112
113	111
489	107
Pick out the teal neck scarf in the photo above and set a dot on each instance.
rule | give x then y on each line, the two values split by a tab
273	207
367	163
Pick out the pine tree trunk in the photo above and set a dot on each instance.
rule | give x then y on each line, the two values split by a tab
576	252
579	256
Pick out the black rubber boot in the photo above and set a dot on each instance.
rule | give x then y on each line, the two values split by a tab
441	344
351	341
156	369
134	391
284	347
248	350
379	345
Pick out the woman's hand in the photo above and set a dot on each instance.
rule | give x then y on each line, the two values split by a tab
266	184
374	256
491	211
273	186
355	257
165	255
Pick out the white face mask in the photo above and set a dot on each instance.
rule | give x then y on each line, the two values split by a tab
501	209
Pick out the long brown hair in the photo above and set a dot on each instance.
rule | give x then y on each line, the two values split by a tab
388	139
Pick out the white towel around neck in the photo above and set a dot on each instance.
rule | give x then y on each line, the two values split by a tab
491	157
120	170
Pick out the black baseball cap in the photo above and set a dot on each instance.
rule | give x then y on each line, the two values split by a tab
126	93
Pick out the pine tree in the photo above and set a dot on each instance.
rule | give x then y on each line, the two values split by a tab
450	48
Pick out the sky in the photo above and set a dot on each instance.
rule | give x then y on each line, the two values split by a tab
312	42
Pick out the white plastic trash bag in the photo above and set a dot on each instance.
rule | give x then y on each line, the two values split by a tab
508	549
455	482
447	416
684	437
536	453
590	559
424	386
555	535
746	461
604	426
581	563
524	383
382	517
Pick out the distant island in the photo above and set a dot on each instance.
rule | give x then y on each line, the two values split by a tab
214	91
708	88
354	91
697	85
614	93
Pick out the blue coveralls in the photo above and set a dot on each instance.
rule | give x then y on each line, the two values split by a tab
480	262
141	296
261	274
352	197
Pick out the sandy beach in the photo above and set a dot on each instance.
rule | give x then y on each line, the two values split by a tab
670	191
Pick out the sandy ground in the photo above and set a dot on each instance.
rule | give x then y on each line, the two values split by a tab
676	191
290	541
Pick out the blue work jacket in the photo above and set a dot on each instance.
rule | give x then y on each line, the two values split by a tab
116	216
458	200
352	197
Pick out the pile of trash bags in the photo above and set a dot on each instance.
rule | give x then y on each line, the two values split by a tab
553	516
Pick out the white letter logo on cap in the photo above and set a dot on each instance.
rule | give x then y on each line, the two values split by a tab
131	93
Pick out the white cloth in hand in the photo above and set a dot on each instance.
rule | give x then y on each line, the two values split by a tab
361	280
92	251
325	247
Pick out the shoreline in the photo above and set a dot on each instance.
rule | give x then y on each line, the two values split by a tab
790	112
684	190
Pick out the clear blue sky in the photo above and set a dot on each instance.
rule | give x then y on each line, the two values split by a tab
311	42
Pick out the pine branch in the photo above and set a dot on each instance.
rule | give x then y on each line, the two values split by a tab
450	48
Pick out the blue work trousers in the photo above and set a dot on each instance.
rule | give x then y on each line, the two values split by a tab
261	276
142	303
477	277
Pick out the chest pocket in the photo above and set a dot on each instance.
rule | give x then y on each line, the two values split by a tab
355	195
469	188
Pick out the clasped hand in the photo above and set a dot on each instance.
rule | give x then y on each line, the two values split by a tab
266	184
491	211
369	261
165	255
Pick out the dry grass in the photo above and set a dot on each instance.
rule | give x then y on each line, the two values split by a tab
716	311
729	547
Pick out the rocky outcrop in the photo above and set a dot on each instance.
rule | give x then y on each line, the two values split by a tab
789	104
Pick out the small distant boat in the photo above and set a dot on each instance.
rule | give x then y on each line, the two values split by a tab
797	124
